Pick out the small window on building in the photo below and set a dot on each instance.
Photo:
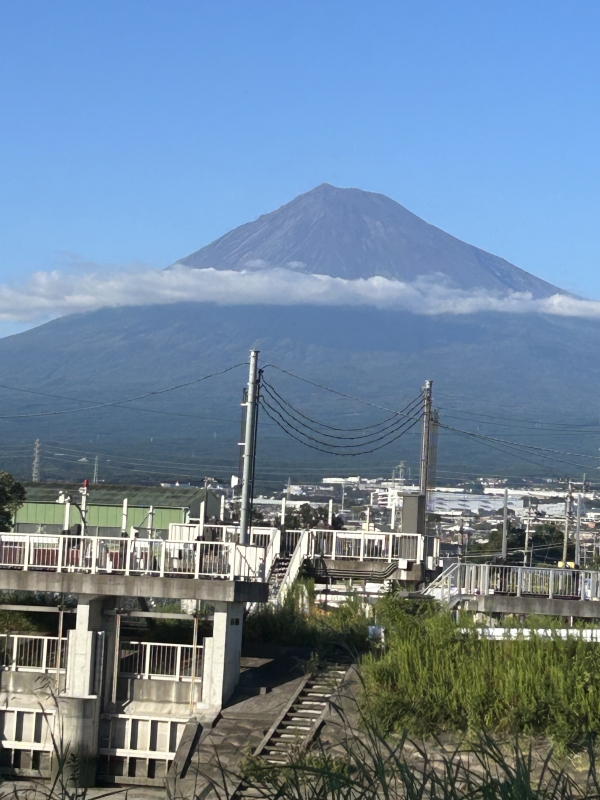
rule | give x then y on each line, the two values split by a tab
235	620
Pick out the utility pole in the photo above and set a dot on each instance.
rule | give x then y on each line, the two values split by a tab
567	514
425	452
578	532
505	527
249	444
95	478
37	457
528	524
424	470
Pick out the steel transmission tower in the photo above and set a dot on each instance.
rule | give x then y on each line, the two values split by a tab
37	458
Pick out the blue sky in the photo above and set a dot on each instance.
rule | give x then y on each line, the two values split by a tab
140	131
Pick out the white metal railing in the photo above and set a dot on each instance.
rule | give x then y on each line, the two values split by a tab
489	579
158	661
128	556
367	546
24	653
299	555
289	540
501	634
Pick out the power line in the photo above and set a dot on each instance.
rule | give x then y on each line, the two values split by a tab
271	390
520	444
333	391
313	447
119	403
334	447
390	428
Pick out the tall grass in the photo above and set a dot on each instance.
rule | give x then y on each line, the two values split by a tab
357	762
430	679
299	622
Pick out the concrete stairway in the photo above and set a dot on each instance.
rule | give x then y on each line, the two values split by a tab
298	725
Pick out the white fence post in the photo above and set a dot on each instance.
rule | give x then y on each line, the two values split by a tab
197	560
95	546
26	554
163	548
128	556
59	558
147	660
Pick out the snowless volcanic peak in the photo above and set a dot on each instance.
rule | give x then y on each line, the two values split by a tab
348	233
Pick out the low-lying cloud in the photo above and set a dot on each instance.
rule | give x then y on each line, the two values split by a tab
47	295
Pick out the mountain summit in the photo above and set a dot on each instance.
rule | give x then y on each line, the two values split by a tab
349	233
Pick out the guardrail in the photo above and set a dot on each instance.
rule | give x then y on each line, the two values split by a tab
504	634
24	653
95	555
488	579
367	545
159	661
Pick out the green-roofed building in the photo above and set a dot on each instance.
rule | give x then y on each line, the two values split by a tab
113	509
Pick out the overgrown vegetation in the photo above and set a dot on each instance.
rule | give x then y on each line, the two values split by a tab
430	678
12	497
298	622
354	761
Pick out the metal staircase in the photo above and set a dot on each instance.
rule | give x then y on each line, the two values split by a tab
277	574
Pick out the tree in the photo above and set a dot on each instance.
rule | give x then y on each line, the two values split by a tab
308	517
12	497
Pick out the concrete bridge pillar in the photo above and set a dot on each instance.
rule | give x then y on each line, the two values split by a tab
221	670
80	704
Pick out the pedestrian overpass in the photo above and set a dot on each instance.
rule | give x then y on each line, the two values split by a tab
127	701
498	588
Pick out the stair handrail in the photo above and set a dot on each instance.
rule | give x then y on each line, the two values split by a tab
272	552
442	580
299	555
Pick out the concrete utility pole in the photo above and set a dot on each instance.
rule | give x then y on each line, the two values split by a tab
37	457
528	525
567	514
283	509
505	527
578	532
424	471
330	514
249	445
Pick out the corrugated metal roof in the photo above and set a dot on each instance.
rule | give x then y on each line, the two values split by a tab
114	494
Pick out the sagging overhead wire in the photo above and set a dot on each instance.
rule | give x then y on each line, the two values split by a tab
119	403
285	425
332	444
375	430
514	448
333	391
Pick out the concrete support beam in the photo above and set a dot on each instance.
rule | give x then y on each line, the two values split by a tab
116	585
503	604
222	654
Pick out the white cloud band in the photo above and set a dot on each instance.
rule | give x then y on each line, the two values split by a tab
47	295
